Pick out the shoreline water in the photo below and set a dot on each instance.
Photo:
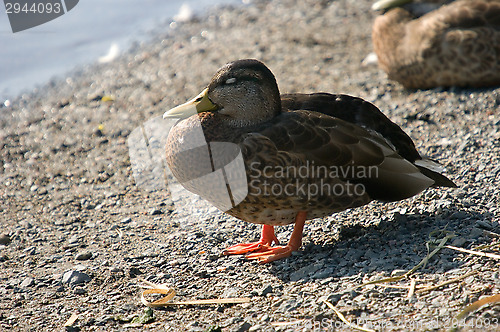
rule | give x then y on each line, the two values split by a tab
87	34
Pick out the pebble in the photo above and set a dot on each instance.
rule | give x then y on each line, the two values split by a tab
155	211
27	282
244	327
79	291
74	239
115	269
459	241
288	305
266	290
303	273
485	224
475	233
5	239
459	215
398	272
83	256
332	298
74	277
231	292
325	273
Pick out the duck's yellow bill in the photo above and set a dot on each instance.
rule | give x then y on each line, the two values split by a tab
198	104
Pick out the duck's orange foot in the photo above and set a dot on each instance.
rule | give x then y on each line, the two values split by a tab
263	250
268	254
266	240
243	248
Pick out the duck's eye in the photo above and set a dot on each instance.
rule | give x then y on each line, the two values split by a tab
231	80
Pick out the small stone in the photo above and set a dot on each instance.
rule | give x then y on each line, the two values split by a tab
324	273
353	294
73	239
126	220
134	271
459	215
288	306
332	298
230	292
155	211
397	272
459	242
244	327
79	291
28	282
5	239
326	281
266	290
484	224
475	233
30	250
115	269
302	273
75	277
83	256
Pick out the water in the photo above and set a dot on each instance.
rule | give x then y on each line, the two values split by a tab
81	36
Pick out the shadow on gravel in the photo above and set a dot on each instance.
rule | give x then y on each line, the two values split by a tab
388	246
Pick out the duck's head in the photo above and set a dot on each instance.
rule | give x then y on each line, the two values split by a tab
241	93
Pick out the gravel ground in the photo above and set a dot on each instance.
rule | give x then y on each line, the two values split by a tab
78	233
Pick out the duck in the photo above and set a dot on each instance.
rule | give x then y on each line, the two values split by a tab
288	158
439	43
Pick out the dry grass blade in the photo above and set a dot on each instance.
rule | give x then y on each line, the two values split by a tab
478	304
343	319
394	286
488	246
281	324
158	289
426	289
411	291
71	320
472	252
170	293
231	300
424	261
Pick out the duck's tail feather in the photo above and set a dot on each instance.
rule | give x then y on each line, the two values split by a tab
433	169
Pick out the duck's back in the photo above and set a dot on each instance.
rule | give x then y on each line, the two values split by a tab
356	111
455	45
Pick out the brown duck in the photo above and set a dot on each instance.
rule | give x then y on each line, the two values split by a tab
303	156
425	45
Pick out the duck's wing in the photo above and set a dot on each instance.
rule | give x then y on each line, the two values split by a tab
348	151
469	14
366	115
356	111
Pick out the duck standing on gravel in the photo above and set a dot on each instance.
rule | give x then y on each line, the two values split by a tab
427	44
304	156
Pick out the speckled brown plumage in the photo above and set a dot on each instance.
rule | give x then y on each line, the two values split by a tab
333	139
457	44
